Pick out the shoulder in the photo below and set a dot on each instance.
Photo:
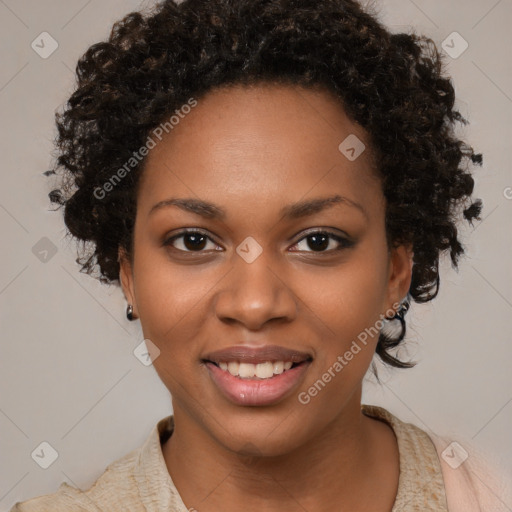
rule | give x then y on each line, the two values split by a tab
116	481
66	498
123	484
420	484
471	481
415	445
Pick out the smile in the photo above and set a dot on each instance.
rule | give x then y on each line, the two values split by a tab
252	390
256	376
264	370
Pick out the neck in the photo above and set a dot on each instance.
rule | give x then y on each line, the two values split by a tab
341	464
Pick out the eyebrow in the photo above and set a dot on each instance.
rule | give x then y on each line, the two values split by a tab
293	211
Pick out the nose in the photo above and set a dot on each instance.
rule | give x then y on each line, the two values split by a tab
253	294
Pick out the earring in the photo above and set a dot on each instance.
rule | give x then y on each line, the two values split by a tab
401	312
129	312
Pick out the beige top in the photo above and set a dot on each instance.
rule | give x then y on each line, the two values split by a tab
140	481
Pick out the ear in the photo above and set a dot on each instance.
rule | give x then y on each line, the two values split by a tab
400	274
126	278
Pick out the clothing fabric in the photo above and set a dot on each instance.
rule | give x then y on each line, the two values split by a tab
140	481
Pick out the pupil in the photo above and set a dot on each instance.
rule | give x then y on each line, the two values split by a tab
194	241
318	241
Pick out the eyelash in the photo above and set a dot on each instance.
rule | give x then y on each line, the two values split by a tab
344	243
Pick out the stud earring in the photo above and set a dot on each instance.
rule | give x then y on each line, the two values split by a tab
401	312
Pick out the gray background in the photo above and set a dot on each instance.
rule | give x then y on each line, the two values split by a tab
67	372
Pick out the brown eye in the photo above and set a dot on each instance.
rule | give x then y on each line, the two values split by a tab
318	242
322	241
191	241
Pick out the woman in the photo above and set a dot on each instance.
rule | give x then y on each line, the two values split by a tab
271	183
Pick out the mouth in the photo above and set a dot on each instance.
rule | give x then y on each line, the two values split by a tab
265	370
257	376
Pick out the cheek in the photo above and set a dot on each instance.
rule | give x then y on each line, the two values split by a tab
170	302
351	296
165	291
171	316
348	305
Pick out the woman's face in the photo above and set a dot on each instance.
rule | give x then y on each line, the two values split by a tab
286	262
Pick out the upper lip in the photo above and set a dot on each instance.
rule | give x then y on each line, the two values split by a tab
257	355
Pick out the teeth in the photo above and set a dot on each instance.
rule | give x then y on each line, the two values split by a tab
278	367
260	370
246	370
233	368
264	370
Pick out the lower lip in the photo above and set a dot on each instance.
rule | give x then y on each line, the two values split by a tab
257	391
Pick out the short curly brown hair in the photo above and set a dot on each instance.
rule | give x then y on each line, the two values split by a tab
393	85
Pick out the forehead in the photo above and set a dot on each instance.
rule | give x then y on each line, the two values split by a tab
267	142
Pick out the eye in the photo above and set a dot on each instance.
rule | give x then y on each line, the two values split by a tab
320	241
191	241
323	241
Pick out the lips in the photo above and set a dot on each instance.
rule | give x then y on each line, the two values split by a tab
256	355
256	375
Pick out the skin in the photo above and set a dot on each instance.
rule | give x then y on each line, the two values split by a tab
251	152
